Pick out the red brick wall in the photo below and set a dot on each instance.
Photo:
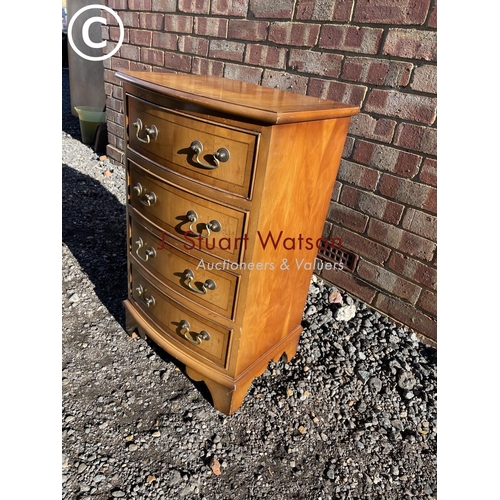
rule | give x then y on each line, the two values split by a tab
376	54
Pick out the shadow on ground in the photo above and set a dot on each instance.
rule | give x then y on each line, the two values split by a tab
93	228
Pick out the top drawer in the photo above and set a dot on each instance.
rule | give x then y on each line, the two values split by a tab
224	157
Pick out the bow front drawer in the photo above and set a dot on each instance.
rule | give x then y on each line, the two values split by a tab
205	283
198	222
220	156
198	335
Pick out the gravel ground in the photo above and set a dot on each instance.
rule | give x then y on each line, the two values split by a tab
352	416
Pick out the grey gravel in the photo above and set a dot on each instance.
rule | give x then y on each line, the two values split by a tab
352	416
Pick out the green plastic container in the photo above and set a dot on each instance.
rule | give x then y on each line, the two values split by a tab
90	118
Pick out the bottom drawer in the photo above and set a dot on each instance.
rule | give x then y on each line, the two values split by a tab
198	335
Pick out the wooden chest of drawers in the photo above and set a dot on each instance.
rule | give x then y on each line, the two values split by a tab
228	188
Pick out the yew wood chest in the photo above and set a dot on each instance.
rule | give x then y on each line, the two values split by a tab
228	186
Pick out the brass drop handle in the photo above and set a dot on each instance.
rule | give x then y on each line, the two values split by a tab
213	225
194	338
147	301
150	132
221	155
149	252
146	199
207	285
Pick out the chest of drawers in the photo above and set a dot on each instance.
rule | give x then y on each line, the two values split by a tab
228	188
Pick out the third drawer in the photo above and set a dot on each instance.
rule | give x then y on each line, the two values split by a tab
203	281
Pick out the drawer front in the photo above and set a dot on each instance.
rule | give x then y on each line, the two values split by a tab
214	289
231	169
198	335
198	222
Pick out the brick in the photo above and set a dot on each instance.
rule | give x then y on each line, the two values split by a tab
108	88
114	34
416	138
358	175
115	141
428	302
265	55
346	217
152	56
327	230
402	105
115	106
428	172
140	37
137	66
382	278
372	204
387	158
110	77
348	147
178	62
164	5
236	8
432	21
151	21
420	223
114	116
139	4
277	9
318	63
379	129
254	31
324	10
225	49
411	44
377	71
336	191
110	19
118	64
130	19
425	79
407	314
117	92
361	245
409	192
401	240
350	38
243	73
337	91
212	27
111	115
193	45
115	154
115	129
194	6
167	41
207	67
117	4
130	52
179	24
413	270
293	33
391	11
350	283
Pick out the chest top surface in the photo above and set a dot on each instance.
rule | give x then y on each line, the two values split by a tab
250	101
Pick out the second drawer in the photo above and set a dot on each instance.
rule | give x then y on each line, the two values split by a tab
198	222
